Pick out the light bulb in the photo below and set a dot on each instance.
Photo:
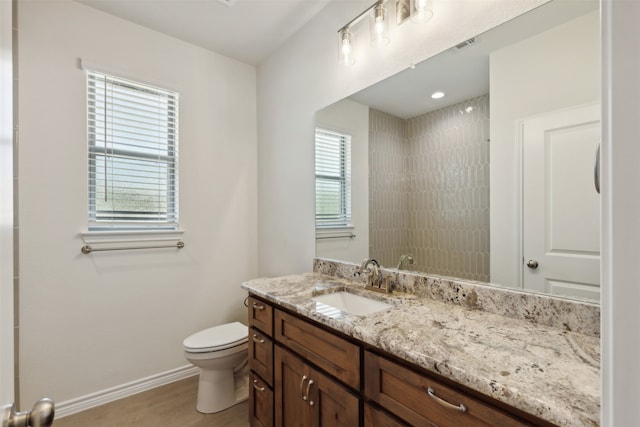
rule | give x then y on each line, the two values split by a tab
422	11
379	26
345	48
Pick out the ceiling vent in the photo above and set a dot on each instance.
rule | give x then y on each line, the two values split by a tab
227	3
464	44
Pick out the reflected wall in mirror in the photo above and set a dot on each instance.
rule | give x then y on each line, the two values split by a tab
494	181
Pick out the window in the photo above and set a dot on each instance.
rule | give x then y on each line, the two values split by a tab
133	154
333	179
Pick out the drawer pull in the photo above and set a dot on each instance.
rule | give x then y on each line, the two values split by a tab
459	408
256	339
304	378
258	306
256	386
308	387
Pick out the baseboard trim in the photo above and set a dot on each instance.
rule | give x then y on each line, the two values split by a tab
92	400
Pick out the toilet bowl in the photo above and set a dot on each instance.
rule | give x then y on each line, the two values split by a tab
218	352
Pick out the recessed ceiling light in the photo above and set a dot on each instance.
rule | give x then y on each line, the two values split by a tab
437	95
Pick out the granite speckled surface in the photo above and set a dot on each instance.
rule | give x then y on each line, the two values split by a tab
547	371
570	315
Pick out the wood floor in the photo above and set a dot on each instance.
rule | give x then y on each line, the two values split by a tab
172	405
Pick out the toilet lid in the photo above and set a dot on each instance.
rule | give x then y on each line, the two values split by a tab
217	338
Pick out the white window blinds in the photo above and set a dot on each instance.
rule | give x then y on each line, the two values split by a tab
133	154
333	179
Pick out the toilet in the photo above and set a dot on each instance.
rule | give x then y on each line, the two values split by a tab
218	352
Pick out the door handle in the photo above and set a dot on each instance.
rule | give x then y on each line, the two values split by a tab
532	264
596	170
41	415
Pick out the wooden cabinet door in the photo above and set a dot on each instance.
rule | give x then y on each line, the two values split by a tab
290	378
304	397
332	405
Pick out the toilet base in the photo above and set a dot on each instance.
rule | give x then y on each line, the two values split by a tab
219	390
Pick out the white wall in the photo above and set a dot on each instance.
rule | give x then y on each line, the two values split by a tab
351	118
304	76
620	156
557	69
90	322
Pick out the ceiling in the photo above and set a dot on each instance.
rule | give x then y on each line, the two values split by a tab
463	74
246	30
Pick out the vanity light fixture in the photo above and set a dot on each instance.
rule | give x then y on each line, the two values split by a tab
437	95
422	11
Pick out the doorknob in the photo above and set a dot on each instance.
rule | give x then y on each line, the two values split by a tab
40	416
532	264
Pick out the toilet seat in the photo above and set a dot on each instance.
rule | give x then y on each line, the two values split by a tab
217	338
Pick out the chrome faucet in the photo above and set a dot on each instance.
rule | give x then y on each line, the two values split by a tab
406	257
375	280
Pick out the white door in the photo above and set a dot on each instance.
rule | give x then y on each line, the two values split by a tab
561	207
6	214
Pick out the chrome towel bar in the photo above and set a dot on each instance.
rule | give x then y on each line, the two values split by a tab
86	249
344	236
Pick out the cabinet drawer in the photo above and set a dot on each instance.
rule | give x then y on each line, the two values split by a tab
403	392
374	417
261	315
260	403
333	354
261	355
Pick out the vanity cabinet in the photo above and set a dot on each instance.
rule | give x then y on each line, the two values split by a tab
304	375
305	397
422	400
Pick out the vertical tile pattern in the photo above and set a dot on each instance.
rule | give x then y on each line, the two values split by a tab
388	189
436	206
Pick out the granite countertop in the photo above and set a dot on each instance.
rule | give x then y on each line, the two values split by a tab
542	370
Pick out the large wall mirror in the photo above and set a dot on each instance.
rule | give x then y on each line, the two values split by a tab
492	182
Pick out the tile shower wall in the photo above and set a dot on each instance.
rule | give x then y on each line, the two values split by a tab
429	189
388	188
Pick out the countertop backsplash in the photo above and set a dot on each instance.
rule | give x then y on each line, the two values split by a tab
570	315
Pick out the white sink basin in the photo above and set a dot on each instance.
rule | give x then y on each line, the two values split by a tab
349	303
